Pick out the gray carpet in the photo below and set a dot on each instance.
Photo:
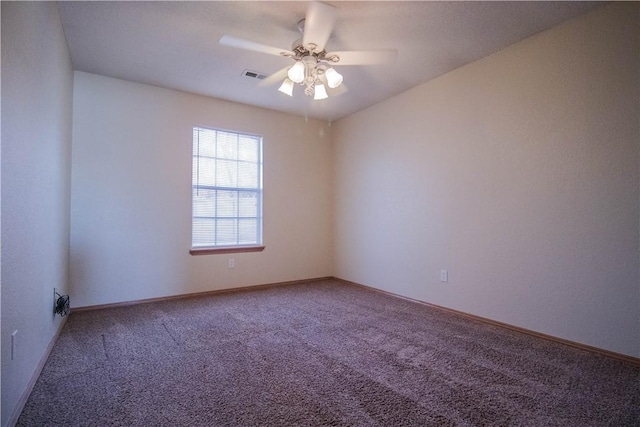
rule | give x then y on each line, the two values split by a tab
323	353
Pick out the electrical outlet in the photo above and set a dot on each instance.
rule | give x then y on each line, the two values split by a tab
13	343
444	276
232	263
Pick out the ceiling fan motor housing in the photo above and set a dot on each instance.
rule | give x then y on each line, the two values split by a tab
299	52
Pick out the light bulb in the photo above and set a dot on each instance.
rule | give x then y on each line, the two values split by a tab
287	87
296	72
320	92
334	78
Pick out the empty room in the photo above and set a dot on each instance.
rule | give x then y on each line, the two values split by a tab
264	213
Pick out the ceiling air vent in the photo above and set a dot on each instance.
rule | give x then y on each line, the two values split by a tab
253	74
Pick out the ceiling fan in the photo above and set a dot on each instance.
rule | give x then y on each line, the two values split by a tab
313	66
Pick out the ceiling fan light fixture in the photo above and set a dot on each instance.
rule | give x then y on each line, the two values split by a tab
320	92
287	87
296	72
334	78
312	67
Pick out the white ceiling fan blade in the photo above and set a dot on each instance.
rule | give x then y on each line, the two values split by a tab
318	25
274	78
253	46
365	57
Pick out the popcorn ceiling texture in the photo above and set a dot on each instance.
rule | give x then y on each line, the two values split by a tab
322	353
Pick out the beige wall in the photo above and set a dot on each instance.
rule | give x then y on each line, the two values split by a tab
37	87
517	173
131	194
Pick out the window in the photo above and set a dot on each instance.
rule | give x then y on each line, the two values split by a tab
226	192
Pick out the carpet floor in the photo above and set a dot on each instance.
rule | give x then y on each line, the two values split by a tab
322	353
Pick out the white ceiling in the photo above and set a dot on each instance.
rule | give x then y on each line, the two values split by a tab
175	44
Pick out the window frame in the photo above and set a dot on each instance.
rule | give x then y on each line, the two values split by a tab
240	248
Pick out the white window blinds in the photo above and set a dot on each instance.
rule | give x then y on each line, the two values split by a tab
227	189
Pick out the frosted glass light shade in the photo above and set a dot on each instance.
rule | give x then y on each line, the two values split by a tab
320	92
334	78
296	72
287	87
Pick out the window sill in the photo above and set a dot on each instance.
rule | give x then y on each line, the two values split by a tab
225	250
